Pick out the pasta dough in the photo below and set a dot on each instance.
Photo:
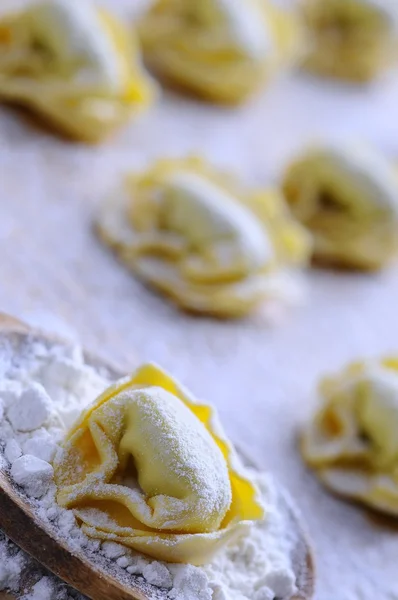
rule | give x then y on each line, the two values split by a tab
192	233
352	39
221	50
74	64
149	467
348	198
352	442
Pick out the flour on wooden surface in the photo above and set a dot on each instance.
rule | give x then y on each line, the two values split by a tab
56	380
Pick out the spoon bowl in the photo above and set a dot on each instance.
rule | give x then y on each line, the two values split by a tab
20	524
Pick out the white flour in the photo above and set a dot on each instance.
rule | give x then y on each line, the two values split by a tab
56	381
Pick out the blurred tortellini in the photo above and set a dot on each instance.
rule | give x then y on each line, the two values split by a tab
220	50
352	442
149	467
195	234
74	64
352	39
348	198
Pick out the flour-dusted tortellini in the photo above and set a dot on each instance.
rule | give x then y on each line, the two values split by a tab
192	233
221	50
352	442
352	39
348	198
149	467
74	64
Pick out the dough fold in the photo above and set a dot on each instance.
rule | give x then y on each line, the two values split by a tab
352	441
195	234
220	50
347	197
149	467
74	65
351	39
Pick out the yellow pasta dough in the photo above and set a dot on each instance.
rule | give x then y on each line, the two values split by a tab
348	198
352	39
221	50
194	234
73	64
352	442
149	467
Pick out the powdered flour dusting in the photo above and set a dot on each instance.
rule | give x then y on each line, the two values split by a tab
43	387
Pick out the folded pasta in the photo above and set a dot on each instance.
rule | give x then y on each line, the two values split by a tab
352	442
149	467
221	50
194	234
352	39
74	64
348	198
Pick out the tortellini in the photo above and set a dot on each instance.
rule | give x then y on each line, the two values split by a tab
73	64
220	50
149	467
352	39
352	442
348	198
189	231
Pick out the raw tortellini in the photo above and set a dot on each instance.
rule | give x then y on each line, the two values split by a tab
221	50
348	199
352	442
192	233
74	64
149	467
352	39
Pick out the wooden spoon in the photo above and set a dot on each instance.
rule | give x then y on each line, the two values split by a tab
19	522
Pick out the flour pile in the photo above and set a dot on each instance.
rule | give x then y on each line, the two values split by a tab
43	388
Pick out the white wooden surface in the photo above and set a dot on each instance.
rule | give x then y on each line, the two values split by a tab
262	378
